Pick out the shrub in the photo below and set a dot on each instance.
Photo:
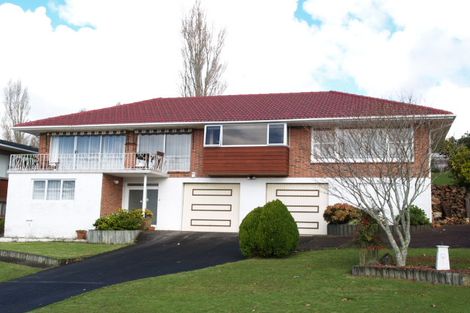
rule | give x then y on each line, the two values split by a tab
121	220
368	235
341	213
460	165
2	225
269	231
417	216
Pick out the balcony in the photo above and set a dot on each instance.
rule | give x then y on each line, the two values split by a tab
246	161
93	162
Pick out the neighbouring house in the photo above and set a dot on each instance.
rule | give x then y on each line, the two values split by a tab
199	163
7	148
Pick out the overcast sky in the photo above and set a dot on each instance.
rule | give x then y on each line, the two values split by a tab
86	54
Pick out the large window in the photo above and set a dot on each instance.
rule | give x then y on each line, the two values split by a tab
362	145
87	152
246	134
53	189
176	147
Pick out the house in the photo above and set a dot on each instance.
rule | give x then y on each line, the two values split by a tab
199	163
8	148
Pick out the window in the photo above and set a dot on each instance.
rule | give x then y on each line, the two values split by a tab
276	134
53	189
213	135
39	189
258	134
362	145
177	149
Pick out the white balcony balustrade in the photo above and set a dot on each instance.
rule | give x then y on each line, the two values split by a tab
89	162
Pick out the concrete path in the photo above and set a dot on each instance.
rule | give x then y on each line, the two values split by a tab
163	253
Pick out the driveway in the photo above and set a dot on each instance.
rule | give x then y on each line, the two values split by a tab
160	254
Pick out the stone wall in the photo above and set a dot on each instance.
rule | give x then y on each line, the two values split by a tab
448	204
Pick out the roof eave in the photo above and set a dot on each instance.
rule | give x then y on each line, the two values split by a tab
36	130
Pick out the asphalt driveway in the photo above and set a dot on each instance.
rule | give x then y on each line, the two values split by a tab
163	253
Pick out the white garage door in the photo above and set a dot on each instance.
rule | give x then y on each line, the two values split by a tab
211	207
306	203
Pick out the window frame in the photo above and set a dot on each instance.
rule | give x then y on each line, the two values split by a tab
266	144
61	190
338	130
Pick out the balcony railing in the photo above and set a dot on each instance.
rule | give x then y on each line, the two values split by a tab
88	162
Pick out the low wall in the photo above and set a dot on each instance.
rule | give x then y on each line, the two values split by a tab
112	236
33	259
426	275
346	230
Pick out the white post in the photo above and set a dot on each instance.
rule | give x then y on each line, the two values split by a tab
144	196
442	258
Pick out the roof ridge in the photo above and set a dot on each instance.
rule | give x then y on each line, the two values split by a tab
391	101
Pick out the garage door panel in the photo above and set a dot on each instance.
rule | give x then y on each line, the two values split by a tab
211	207
303	208
305	202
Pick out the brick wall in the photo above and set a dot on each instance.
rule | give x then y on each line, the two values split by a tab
300	151
44	143
111	194
3	189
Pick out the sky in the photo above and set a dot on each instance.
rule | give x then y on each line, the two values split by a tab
84	54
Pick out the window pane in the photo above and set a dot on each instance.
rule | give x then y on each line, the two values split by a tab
68	190
323	144
212	135
39	187
276	133
113	144
178	152
151	143
53	190
244	134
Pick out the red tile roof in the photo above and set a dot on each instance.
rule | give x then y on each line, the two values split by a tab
281	106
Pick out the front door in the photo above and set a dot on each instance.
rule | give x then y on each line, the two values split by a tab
135	201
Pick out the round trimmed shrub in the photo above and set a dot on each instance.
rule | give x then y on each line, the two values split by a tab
269	231
418	216
341	213
121	220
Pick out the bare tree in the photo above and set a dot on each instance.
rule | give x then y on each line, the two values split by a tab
16	106
202	65
380	165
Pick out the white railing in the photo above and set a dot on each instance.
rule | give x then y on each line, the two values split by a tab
88	162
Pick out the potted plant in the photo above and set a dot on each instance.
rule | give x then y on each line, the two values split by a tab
342	219
81	234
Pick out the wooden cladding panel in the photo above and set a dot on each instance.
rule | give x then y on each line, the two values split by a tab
243	161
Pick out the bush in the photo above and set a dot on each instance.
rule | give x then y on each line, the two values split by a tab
269	231
2	225
341	213
460	165
121	220
418	216
368	235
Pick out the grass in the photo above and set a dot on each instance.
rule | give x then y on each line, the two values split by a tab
9	271
59	250
316	281
443	178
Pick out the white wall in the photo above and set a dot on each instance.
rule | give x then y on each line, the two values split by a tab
252	195
30	218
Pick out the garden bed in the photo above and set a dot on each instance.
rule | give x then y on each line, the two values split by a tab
431	275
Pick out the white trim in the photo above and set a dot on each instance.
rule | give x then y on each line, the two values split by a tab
17	149
201	123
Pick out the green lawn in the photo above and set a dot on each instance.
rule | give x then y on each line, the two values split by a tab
9	271
317	281
59	250
443	178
